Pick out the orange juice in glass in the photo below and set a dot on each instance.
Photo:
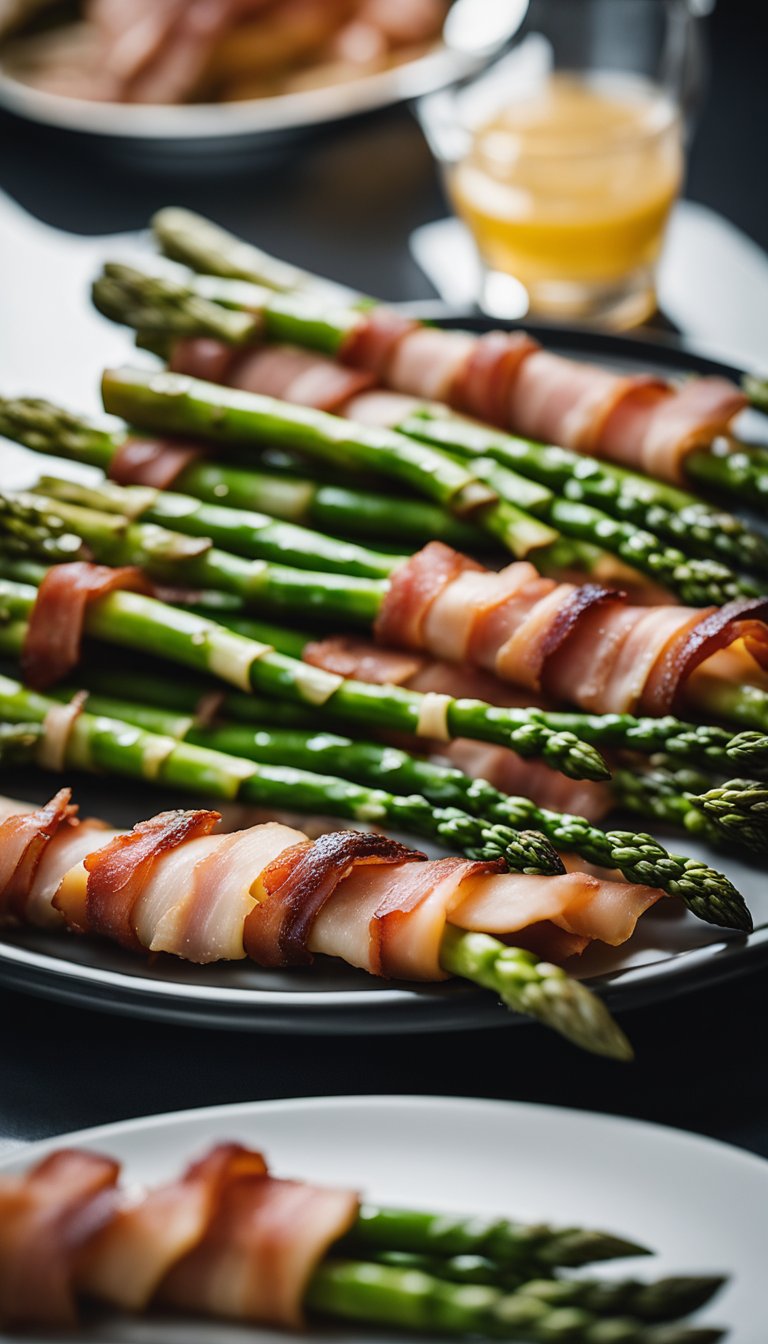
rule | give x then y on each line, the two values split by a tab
565	169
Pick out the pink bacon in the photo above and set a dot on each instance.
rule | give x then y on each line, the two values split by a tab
225	1239
504	378
268	892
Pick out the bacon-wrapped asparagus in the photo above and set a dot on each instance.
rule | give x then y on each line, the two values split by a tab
229	1240
174	885
522	514
642	422
583	644
71	603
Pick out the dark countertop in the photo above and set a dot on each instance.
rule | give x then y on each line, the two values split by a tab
344	205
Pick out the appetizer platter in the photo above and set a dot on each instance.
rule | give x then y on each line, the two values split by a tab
330	562
361	1238
197	80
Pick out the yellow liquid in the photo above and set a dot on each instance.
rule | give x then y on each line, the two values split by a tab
572	186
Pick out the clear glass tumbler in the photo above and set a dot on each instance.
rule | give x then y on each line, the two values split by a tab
565	155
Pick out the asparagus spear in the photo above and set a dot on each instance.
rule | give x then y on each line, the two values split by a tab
755	388
640	858
663	1300
739	472
45	428
148	625
18	742
244	532
523	982
192	240
731	814
386	1295
711	749
697	527
187	237
159	303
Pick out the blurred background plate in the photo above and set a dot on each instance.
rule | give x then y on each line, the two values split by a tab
218	135
671	1191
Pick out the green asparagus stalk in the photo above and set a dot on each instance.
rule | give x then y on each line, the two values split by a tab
243	532
131	620
755	388
663	1300
739	809
157	303
284	787
708	748
326	438
731	814
195	241
523	982
696	744
697	527
726	470
38	523
386	1295
336	509
18	742
211	251
640	858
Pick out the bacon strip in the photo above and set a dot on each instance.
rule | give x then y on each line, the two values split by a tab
154	462
295	888
23	840
226	1239
260	1250
271	893
118	872
128	1260
46	1218
372	343
745	619
55	630
483	385
413	588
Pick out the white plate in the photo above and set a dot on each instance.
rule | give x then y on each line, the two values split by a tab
699	1204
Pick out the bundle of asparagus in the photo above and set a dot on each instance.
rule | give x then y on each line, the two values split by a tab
293	312
206	1237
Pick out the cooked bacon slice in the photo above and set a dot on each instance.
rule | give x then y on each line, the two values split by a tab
283	371
197	906
413	588
296	887
372	343
153	462
46	1218
427	362
654	430
579	903
55	630
583	644
718	628
390	921
298	376
24	837
119	871
260	1250
127	1261
483	385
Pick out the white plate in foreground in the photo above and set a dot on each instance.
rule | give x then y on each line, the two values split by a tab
700	1204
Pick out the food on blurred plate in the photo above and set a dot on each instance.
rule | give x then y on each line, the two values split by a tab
180	51
228	1239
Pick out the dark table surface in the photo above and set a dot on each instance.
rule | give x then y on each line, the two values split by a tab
344	205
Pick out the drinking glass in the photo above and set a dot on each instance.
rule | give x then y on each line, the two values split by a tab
565	155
